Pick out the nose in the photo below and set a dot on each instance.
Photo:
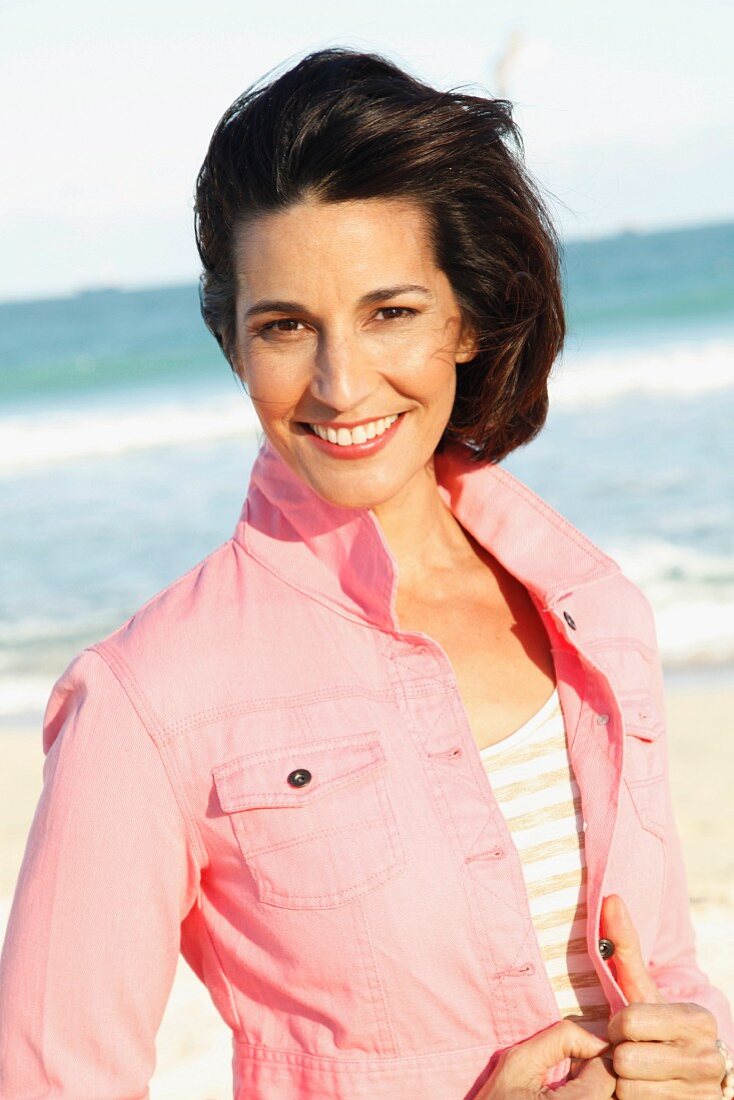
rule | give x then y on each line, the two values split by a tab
342	377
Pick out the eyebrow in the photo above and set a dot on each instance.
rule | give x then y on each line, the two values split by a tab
273	305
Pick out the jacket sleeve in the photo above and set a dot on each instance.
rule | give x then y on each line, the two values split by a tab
108	875
673	964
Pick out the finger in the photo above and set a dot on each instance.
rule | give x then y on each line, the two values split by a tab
665	1062
594	1081
653	1090
667	1022
567	1039
627	963
526	1065
648	1062
667	1090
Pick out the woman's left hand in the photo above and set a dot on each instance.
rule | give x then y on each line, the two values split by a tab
662	1050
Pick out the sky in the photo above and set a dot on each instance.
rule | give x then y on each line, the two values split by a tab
626	112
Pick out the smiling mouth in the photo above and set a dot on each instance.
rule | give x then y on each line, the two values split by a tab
346	437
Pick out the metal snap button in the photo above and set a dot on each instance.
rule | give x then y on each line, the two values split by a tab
602	719
606	949
569	620
299	777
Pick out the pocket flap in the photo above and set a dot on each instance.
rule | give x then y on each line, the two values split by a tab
641	719
261	778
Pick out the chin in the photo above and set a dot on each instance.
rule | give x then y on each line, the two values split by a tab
351	499
344	495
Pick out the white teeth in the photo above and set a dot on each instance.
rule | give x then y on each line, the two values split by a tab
344	437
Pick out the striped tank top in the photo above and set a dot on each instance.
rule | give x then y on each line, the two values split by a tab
531	775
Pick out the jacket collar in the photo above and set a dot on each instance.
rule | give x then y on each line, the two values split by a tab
340	557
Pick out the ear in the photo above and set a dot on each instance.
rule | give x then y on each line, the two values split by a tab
468	346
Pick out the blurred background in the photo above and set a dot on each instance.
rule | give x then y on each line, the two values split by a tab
126	444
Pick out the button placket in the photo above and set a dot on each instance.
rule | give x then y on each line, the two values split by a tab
600	709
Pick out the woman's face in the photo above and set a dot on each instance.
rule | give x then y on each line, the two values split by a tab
343	320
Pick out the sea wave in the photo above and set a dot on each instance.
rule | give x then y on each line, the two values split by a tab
691	633
44	438
692	595
25	697
675	370
691	592
664	568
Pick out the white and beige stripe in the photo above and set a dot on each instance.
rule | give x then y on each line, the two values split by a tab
532	778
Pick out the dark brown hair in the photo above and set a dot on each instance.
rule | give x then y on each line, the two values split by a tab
342	124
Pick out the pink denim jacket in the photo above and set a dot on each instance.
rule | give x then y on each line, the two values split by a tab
261	770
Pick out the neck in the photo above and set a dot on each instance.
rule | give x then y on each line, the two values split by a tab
422	533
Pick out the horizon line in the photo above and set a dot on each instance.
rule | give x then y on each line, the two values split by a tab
629	230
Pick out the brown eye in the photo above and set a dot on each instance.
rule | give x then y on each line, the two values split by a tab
403	311
271	325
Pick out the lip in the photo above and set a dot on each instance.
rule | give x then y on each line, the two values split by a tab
355	450
336	424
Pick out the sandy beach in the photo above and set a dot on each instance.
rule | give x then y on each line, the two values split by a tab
193	1043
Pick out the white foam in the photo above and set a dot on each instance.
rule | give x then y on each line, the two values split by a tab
39	439
672	370
21	695
696	631
692	595
33	440
659	565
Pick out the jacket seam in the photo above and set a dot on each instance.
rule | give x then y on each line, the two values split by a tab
372	964
300	1057
181	802
196	567
116	664
570	587
555	517
269	703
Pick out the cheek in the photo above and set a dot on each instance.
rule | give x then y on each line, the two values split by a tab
430	374
275	386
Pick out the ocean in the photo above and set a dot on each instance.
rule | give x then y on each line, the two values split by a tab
126	445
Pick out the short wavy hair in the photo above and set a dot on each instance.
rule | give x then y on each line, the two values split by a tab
344	125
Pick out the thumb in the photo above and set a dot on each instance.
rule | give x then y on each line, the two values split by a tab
525	1066
628	964
595	1081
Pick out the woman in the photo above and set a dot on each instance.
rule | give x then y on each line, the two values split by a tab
389	765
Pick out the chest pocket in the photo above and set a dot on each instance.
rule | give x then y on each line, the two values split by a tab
314	821
644	762
644	750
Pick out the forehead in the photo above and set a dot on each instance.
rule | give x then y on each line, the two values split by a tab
349	242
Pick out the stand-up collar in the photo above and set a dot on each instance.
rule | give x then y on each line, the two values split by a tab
340	556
